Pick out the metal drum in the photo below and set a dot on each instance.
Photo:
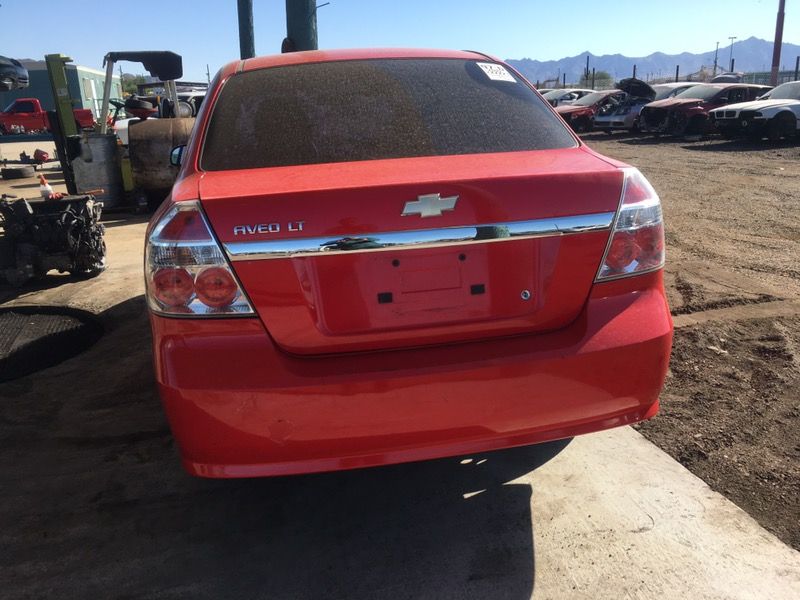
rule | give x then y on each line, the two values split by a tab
149	145
98	166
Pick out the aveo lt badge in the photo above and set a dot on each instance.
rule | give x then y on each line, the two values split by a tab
429	205
267	228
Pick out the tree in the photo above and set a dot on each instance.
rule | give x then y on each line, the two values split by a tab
129	82
602	79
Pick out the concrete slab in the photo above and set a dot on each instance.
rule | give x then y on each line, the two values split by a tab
94	504
10	150
615	517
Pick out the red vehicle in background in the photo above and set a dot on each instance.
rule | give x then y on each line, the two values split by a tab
381	256
687	113
26	114
580	114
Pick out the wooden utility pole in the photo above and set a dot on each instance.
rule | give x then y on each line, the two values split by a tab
776	49
301	26
716	53
247	44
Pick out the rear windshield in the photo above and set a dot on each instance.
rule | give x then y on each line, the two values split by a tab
374	109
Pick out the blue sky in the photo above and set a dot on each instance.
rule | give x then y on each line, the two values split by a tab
205	31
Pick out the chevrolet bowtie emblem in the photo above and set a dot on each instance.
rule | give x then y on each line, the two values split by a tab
429	205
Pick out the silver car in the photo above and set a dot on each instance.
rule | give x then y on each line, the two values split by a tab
565	96
625	115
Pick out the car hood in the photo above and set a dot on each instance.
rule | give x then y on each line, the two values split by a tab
568	109
636	88
760	104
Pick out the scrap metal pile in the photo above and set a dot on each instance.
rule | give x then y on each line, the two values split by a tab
42	235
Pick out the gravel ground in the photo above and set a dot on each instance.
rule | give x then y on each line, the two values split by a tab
731	405
93	499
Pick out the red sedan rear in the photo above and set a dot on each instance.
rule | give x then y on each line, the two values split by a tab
372	257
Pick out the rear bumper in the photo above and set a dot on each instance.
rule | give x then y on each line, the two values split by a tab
240	407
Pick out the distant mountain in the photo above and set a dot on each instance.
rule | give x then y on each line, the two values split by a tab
752	54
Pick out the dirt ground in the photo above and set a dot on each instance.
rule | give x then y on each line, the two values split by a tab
730	410
93	498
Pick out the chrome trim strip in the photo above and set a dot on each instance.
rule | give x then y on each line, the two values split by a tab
419	238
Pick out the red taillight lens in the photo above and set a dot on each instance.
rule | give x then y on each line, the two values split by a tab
622	252
650	243
186	272
173	287
216	287
637	241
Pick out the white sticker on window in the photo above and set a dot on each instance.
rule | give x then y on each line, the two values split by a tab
496	72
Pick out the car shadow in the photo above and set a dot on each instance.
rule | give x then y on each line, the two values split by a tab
615	135
117	219
94	500
50	281
651	140
742	145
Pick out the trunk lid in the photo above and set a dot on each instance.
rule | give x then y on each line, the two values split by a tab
386	280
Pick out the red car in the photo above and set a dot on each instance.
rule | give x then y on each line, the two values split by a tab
380	256
687	113
580	114
28	114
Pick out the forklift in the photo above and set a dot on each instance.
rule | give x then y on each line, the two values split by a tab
137	178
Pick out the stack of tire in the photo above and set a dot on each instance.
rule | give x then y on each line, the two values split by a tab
17	172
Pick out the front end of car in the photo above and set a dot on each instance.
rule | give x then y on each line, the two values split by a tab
654	119
621	118
733	122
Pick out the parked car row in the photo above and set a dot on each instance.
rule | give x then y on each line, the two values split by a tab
688	112
683	108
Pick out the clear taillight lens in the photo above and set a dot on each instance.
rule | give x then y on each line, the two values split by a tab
186	272
637	240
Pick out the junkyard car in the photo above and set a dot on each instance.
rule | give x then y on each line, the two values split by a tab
565	96
581	113
773	117
380	256
625	115
687	113
13	76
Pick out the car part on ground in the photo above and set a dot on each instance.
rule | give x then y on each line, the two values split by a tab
43	235
379	256
774	117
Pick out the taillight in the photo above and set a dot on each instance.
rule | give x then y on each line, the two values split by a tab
186	272
637	240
